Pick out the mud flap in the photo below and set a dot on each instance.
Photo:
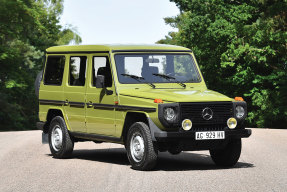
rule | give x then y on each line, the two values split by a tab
45	138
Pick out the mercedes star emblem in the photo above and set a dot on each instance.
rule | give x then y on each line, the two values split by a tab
207	113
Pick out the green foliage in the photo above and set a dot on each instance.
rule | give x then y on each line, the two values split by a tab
27	28
241	47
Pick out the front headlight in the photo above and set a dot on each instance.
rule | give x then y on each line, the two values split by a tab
239	112
169	114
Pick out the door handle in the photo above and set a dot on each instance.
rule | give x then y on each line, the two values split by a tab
90	104
66	103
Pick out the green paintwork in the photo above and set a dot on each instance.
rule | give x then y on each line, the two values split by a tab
177	95
87	48
110	122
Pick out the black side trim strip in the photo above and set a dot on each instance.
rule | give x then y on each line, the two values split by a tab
56	102
103	106
77	104
149	50
123	107
98	105
96	137
51	102
73	52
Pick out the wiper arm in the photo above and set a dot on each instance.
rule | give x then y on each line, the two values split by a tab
163	76
169	79
133	77
138	79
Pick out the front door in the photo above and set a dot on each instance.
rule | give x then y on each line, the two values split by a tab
74	93
100	113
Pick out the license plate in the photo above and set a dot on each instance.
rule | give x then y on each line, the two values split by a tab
209	135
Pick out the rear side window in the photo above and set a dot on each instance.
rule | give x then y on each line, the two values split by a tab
54	70
78	70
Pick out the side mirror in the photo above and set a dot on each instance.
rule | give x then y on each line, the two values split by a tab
100	81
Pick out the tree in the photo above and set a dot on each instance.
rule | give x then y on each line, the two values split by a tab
241	47
27	28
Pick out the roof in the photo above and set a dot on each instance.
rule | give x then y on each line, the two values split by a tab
117	48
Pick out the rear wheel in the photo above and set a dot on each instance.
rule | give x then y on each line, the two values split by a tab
60	142
174	149
229	155
141	151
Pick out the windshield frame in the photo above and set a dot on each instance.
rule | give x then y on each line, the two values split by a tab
200	78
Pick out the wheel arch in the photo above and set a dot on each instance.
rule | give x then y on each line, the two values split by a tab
131	118
53	112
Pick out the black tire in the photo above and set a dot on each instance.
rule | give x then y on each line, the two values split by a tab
67	145
149	157
174	151
228	156
37	83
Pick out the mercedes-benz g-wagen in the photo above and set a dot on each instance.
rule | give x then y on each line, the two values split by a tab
150	98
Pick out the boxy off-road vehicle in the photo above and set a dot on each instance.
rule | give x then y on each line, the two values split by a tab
149	98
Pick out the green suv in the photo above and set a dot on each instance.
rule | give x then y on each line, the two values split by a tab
150	98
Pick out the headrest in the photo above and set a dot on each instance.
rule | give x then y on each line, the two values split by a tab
102	71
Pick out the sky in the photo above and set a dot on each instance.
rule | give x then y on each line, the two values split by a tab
119	21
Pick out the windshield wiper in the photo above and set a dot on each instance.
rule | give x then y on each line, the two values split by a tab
138	79
169	79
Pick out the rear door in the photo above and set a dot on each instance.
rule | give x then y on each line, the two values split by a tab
74	92
100	113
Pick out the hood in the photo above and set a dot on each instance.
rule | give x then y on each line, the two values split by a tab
176	95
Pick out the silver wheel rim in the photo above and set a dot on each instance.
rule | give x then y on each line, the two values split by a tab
57	138
137	147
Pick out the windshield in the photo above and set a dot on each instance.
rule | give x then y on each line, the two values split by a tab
156	68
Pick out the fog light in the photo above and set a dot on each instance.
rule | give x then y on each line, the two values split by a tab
186	124
231	123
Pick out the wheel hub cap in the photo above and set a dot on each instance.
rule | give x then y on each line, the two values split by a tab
137	147
57	138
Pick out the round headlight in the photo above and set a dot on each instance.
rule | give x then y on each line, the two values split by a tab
240	112
186	124
169	114
231	123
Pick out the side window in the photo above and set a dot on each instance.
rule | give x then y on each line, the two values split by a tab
101	66
54	70
77	76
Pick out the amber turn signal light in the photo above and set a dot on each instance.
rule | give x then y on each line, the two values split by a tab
239	99
158	101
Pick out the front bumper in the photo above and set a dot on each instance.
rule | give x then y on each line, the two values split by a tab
190	135
162	136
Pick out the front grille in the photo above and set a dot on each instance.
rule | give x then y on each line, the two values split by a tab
193	111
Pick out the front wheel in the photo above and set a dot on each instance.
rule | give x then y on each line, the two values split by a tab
60	142
229	155
141	151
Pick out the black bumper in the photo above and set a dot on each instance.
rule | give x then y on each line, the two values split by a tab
190	135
